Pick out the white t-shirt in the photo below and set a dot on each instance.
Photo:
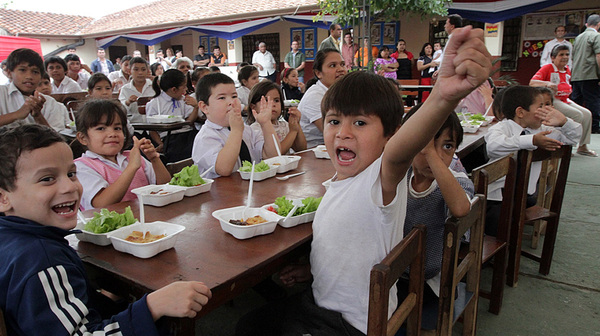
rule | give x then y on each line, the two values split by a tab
55	113
211	139
164	105
266	60
353	231
67	85
132	110
243	93
310	108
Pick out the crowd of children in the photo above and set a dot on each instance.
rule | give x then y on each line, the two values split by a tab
405	165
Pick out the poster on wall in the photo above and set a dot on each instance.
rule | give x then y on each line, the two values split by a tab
389	33
309	40
376	34
214	42
297	36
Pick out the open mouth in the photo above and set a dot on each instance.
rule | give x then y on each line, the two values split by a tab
345	154
64	208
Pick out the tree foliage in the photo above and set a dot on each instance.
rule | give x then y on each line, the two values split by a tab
348	12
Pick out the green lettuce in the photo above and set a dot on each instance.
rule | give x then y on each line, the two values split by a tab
187	177
284	206
107	221
261	167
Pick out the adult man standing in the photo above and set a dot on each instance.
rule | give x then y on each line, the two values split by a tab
101	64
586	70
559	32
160	58
202	59
452	22
333	41
348	50
296	59
265	62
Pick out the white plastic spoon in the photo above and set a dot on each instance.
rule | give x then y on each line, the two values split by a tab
276	145
206	171
142	215
283	178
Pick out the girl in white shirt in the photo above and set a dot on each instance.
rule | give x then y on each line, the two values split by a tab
248	77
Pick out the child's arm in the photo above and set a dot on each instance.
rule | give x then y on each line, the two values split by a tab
228	155
189	100
264	120
156	138
33	105
162	174
114	192
466	65
294	124
567	131
295	273
179	299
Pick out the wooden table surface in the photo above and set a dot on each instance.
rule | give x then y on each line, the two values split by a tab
204	252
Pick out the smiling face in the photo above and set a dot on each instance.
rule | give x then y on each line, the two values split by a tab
56	71
353	142
333	69
102	90
47	179
26	77
561	60
104	140
220	103
445	146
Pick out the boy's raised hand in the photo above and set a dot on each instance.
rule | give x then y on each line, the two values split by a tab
466	64
179	299
551	116
234	113
542	141
264	116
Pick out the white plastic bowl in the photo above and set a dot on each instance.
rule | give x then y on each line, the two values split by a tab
292	221
291	102
195	190
146	250
321	152
249	231
284	163
163	119
94	238
259	176
173	194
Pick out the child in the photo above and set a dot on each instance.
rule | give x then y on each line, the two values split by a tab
437	53
361	216
156	69
108	173
74	71
19	103
45	289
248	77
170	99
267	95
224	141
45	87
99	86
528	125
291	86
435	192
57	70
215	69
197	74
139	86
123	76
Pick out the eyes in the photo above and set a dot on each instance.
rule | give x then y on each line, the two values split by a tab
333	121
50	179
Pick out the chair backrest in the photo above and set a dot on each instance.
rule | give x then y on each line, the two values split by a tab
408	82
410	251
75	105
142	101
176	167
3	331
458	298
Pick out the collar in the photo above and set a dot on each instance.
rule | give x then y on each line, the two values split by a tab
13	88
120	158
214	126
164	96
592	28
514	126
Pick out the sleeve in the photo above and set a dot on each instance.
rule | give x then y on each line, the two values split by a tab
56	299
55	113
257	139
311	107
543	74
499	143
288	59
302	58
596	43
254	59
569	133
205	150
123	97
152	107
92	183
149	171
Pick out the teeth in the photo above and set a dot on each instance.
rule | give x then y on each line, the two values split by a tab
64	213
65	204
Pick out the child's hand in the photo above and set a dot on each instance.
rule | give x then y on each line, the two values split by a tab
542	141
551	116
466	64
189	100
148	149
264	116
294	118
486	91
35	103
301	86
135	157
132	99
292	274
429	149
234	113
179	299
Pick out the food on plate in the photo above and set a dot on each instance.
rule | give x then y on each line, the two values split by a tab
138	237
249	221
284	206
478	117
107	221
159	192
187	177
261	167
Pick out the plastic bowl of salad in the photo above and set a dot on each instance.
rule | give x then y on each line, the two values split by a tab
303	214
262	171
190	181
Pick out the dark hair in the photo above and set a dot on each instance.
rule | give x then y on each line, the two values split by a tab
310	83
258	91
153	67
94	110
557	49
126	58
422	53
395	83
546	91
321	56
198	73
24	55
365	93
214	68
15	141
241	65
333	25
171	78
452	123
246	72
96	78
497	104
456	20
55	59
517	96
216	47
135	60
45	76
383	48
99	48
201	46
556	28
286	73
72	57
207	83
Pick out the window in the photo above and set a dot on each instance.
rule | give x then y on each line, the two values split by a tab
209	42
384	34
306	39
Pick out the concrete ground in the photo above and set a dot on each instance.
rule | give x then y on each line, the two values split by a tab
566	302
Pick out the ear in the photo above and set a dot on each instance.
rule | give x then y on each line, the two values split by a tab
5	205
82	138
519	112
202	106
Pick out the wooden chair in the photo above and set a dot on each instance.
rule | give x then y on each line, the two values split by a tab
461	298
497	247
548	176
523	215
142	101
176	167
410	251
409	96
66	97
3	331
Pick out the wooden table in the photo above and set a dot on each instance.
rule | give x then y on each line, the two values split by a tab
204	252
160	127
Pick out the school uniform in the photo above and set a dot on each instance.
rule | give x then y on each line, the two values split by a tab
67	85
115	76
132	110
82	79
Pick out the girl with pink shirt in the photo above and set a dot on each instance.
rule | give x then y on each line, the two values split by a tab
107	173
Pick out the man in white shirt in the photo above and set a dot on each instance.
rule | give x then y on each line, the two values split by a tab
264	61
57	70
559	32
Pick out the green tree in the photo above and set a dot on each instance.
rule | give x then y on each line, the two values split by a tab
348	12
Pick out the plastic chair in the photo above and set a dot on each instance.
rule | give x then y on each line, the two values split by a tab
176	167
410	251
459	298
523	215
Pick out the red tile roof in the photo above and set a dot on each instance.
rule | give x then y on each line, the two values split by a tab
40	23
